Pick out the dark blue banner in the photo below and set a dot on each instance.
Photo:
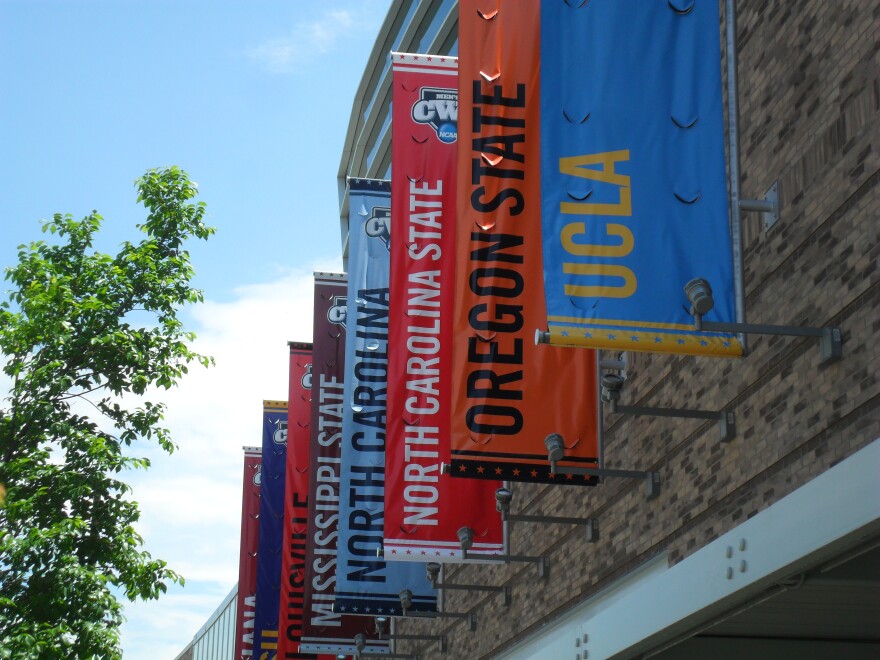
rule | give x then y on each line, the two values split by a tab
271	529
366	583
633	181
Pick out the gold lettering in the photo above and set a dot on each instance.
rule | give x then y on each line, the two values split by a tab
627	288
623	248
581	166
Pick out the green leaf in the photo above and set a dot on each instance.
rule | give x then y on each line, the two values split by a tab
88	326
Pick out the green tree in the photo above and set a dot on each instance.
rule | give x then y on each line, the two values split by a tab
83	330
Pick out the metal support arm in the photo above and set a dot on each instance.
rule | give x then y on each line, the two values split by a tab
467	616
652	479
591	524
542	563
506	592
830	339
726	419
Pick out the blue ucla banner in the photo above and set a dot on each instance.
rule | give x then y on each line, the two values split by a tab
633	180
366	583
271	529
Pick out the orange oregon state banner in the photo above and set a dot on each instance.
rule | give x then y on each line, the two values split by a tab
508	394
423	508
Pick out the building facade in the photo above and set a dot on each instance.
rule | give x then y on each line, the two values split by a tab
411	26
216	639
767	545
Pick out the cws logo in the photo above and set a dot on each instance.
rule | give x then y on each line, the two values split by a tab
279	437
337	312
438	108
378	225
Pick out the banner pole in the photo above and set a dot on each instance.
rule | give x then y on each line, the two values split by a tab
600	417
733	148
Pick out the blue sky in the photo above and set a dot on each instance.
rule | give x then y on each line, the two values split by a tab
253	100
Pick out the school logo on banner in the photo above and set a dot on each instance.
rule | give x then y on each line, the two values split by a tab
633	179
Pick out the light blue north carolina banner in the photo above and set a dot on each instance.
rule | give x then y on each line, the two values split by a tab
366	583
633	179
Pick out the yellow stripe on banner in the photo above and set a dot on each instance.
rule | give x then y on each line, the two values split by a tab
617	323
638	340
272	406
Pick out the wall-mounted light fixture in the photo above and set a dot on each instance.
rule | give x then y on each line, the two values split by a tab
555	445
611	384
382	624
406	601
699	294
504	496
432	569
360	643
466	540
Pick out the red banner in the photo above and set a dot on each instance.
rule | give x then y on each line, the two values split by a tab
323	630
425	509
508	394
246	608
296	503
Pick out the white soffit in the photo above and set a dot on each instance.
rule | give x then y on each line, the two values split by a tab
817	521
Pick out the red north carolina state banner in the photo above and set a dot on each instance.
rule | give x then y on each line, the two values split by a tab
247	558
424	509
323	630
508	394
296	503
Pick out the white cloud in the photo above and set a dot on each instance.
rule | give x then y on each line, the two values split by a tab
154	629
191	501
308	39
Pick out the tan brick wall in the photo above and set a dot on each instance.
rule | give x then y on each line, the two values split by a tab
809	78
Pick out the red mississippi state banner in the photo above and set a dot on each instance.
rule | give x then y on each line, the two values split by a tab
247	558
508	394
296	502
323	630
423	508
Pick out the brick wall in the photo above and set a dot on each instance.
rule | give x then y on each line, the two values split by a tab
809	83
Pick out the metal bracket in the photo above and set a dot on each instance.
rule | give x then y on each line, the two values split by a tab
590	524
542	563
468	616
440	639
699	293
830	339
652	479
769	206
506	593
726	419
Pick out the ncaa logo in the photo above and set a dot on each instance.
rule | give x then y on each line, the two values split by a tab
439	109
